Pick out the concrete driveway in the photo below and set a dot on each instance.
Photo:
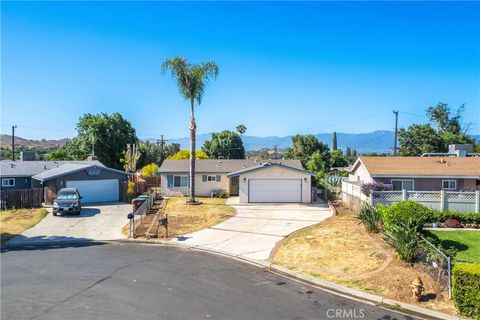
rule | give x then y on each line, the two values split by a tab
95	222
256	229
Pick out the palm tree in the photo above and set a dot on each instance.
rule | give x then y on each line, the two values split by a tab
241	129
191	82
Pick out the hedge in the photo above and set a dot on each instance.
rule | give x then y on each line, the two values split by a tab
466	289
401	211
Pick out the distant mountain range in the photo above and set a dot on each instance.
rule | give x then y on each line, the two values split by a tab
6	142
376	141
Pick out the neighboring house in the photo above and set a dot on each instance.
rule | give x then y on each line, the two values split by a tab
251	180
95	182
428	173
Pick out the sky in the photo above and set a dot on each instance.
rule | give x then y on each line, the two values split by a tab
285	68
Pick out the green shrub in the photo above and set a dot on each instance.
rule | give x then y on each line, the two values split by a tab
466	289
433	239
403	236
464	217
222	193
404	211
370	217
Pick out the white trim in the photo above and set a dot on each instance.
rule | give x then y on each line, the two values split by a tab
211	180
8	179
413	183
454	181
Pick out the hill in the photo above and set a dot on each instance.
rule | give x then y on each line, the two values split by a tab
6	142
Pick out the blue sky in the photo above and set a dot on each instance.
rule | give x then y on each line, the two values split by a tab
285	68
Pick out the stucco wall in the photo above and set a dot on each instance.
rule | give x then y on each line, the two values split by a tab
202	188
275	173
360	175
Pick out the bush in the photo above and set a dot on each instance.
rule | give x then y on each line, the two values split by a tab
130	190
370	217
150	170
222	193
403	236
433	239
463	217
466	289
402	212
367	188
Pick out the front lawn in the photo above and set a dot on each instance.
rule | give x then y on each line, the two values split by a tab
466	242
14	221
183	218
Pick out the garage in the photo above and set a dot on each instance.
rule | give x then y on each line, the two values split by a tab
275	190
93	191
274	182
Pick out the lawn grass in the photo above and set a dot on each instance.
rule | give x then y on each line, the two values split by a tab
14	221
183	218
466	242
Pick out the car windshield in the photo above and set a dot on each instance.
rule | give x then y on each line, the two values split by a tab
67	196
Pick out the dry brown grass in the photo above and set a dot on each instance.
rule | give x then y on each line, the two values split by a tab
183	218
14	222
340	250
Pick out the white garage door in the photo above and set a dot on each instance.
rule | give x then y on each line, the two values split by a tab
275	190
96	190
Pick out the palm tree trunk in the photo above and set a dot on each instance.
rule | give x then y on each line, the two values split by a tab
193	138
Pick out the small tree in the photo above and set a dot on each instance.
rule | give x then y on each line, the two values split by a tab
130	158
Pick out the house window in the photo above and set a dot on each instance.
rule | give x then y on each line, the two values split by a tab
207	178
8	182
449	184
177	181
403	184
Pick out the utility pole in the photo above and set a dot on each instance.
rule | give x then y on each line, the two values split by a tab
275	152
162	143
395	134
13	142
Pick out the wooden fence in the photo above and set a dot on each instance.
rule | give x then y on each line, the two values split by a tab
49	194
21	198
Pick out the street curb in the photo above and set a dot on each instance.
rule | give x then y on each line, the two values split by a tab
310	280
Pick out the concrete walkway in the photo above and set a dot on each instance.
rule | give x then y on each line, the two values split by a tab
256	228
95	222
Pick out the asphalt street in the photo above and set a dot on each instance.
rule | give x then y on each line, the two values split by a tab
131	281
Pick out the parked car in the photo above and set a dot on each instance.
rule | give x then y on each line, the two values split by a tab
67	201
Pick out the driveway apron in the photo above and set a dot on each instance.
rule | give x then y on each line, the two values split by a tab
256	228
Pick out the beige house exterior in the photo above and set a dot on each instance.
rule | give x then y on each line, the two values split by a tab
253	181
419	173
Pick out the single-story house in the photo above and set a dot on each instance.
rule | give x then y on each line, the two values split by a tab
251	180
95	182
418	173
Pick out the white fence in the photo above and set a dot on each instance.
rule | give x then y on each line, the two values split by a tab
352	196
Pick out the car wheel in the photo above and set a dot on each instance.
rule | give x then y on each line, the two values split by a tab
54	213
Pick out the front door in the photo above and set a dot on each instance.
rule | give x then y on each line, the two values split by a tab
234	186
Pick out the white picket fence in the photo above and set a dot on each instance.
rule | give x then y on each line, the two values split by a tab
352	196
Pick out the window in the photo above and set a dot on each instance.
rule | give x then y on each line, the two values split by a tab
8	182
449	184
177	181
403	184
207	178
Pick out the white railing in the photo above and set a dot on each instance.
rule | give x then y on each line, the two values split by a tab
440	200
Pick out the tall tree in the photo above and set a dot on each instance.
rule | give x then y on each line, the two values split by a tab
241	129
303	147
224	145
334	142
419	139
191	81
102	134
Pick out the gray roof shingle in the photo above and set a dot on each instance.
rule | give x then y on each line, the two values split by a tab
10	168
220	165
